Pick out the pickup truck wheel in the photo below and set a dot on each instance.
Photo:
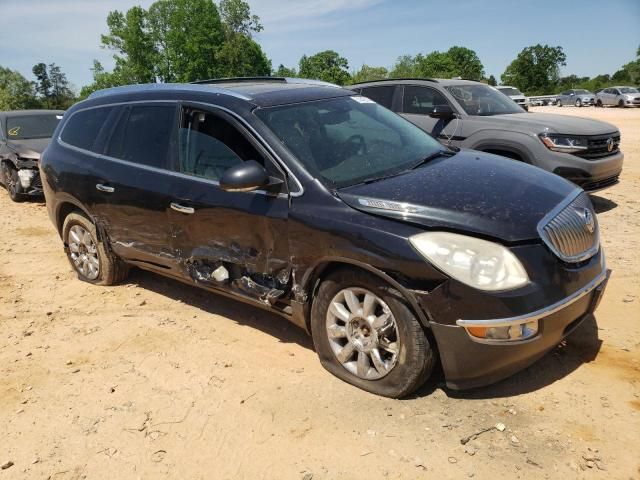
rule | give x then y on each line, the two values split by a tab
90	259
12	182
365	334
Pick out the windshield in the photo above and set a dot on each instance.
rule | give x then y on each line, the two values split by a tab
582	92
348	140
32	126
509	90
483	100
628	90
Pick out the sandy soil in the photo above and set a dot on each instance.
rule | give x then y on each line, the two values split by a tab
153	379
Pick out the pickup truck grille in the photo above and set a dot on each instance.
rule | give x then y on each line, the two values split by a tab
572	233
598	146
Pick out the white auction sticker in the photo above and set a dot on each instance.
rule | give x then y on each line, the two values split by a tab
363	100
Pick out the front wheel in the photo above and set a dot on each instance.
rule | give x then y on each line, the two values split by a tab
578	103
89	258
366	335
621	104
12	183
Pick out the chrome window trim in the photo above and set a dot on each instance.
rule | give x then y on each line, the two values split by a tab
250	129
543	312
551	215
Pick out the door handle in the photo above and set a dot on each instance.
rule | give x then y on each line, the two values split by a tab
105	188
182	209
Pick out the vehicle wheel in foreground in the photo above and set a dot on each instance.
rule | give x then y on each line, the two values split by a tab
88	257
620	104
366	335
12	182
559	103
578	103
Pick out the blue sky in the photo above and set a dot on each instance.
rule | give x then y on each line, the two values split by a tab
597	36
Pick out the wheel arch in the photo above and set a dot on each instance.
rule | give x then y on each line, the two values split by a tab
66	207
313	277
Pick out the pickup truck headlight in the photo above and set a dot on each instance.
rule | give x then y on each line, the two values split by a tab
563	143
478	263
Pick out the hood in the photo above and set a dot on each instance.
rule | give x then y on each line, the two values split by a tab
470	192
552	123
29	148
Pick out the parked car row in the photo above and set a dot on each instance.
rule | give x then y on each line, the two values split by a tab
396	252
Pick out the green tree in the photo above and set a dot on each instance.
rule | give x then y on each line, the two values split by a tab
101	80
283	71
536	69
368	73
406	66
327	65
43	83
492	81
237	17
437	65
240	56
16	92
466	63
62	97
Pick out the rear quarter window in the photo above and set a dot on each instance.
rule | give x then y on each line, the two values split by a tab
381	95
83	128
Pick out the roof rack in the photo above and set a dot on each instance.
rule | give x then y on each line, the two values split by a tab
308	81
396	79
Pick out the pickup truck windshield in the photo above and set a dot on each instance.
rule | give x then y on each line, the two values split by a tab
348	140
482	100
32	126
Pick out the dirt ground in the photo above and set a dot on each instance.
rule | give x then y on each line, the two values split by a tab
154	379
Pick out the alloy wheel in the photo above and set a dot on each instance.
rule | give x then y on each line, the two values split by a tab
363	333
84	252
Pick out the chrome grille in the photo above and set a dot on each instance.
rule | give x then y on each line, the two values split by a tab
571	231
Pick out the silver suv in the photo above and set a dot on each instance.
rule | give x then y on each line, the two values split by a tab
619	96
576	97
474	115
514	94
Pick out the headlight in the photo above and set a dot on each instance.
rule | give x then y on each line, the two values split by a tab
563	143
478	263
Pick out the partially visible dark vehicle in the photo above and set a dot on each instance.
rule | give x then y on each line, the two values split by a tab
24	134
318	204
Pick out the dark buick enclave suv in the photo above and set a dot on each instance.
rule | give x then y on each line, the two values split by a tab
319	204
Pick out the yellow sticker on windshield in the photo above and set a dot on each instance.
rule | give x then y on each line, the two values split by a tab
14	131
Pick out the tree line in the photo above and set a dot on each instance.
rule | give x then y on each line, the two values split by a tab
188	40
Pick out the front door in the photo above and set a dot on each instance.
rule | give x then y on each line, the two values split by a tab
418	102
231	240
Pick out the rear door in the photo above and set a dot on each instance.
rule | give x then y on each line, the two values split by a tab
418	102
135	181
243	232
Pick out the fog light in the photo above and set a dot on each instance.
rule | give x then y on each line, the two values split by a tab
25	177
519	331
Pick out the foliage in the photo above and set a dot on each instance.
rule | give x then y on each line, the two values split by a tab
455	62
240	56
327	66
466	63
492	81
536	69
16	92
283	71
237	17
368	74
53	87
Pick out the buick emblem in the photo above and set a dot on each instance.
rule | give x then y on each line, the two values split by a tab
589	220
611	144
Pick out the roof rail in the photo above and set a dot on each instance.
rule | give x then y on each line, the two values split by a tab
396	79
215	81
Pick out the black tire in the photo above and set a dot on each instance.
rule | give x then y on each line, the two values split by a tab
578	103
12	183
415	359
620	104
599	103
559	103
111	269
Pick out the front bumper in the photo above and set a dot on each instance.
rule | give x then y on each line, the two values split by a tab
591	175
469	363
30	181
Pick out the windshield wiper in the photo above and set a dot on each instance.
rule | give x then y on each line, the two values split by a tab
432	156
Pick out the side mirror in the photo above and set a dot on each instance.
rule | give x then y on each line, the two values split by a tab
441	111
571	94
245	177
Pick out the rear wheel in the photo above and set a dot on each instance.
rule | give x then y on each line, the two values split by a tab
599	103
89	258
366	335
559	103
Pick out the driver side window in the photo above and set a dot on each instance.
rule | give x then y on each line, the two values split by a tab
421	100
209	145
